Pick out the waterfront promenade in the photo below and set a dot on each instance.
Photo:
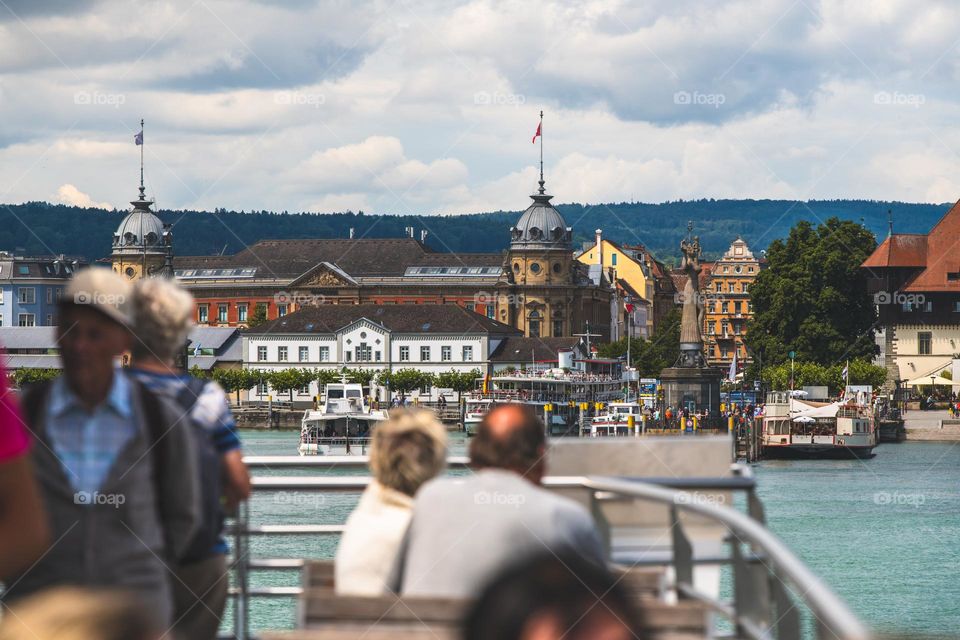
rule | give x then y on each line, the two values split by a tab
932	426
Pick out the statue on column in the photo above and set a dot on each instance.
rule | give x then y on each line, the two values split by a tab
691	320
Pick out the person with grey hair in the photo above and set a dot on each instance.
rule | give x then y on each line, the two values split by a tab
408	449
162	318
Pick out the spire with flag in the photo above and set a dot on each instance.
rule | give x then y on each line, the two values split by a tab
539	134
138	140
732	374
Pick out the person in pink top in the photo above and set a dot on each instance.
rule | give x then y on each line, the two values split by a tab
24	532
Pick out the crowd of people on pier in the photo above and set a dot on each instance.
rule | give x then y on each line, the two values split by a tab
115	482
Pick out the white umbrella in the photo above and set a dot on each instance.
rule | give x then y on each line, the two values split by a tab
798	393
804	419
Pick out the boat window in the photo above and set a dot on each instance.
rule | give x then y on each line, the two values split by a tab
353	393
335	393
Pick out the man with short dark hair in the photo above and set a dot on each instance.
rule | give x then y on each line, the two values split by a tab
464	530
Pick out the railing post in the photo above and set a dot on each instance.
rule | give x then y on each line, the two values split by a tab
241	604
682	551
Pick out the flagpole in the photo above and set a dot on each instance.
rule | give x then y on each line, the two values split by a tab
541	151
141	156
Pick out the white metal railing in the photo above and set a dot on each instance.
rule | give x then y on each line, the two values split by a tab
762	572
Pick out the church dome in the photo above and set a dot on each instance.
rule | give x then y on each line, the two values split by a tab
140	229
541	226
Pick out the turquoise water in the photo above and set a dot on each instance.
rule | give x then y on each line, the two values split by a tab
883	533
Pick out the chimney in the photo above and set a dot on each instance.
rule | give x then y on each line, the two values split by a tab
409	231
351	233
600	248
423	236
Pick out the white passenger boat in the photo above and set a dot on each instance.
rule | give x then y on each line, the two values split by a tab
616	421
796	428
342	425
474	410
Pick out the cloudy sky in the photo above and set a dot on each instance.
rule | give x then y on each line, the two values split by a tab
429	107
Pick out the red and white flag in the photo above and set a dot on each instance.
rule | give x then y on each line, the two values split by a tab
537	133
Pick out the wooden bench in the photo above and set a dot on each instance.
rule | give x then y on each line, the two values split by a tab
324	615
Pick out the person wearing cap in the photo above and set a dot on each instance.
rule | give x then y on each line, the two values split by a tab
114	461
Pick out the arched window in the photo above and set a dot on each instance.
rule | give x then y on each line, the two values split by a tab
533	321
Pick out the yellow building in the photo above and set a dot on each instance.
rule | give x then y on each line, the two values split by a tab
630	266
727	305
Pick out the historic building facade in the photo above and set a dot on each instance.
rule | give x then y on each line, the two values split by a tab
142	244
727	305
535	286
30	288
915	282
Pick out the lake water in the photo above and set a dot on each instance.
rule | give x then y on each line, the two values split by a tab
883	533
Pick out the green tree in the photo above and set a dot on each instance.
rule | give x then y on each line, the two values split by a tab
290	379
361	376
21	377
813	374
653	355
459	381
258	317
812	297
235	380
403	381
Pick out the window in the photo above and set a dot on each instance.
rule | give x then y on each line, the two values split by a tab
347	356
364	352
241	313
956	307
305	389
376	355
281	310
719	286
424	354
723	307
26	295
304	354
446	354
24	270
1	295
557	327
928	306
26	320
324	354
262	388
534	323
404	354
613	259
490	311
467	353
535	267
281	354
49	295
924	343
730	287
49	319
261	354
222	312
736	307
203	312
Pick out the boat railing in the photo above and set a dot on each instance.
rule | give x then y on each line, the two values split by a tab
769	582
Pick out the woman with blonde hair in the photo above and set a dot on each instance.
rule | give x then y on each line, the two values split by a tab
408	448
162	318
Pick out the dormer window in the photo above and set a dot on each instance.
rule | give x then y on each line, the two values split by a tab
534	233
151	238
129	238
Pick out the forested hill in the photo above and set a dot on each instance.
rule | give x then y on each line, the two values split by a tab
39	228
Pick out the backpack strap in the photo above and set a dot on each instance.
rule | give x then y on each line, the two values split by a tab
156	428
32	400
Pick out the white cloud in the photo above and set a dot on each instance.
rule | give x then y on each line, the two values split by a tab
69	194
429	107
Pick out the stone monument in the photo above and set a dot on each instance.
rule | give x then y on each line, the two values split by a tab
690	383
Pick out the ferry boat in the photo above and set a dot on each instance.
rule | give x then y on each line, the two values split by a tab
562	389
342	425
474	408
797	428
615	422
